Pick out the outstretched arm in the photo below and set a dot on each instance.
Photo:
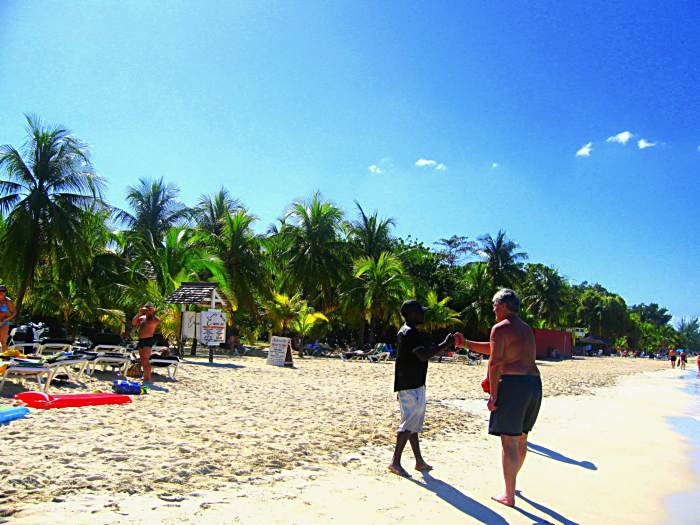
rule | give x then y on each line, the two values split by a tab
424	353
478	347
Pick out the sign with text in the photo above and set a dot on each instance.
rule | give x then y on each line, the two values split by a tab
213	327
280	353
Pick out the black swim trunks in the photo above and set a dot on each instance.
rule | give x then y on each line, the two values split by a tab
517	405
673	358
146	341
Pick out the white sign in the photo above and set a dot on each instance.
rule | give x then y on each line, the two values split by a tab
213	327
280	353
189	320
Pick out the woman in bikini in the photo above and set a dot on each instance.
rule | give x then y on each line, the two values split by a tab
7	313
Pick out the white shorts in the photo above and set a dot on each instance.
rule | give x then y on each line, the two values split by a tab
412	405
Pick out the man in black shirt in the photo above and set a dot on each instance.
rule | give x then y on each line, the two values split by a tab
412	355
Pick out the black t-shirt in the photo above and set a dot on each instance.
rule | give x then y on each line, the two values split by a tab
410	372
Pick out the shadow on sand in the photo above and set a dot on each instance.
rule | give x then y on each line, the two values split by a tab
460	501
543	451
212	365
536	520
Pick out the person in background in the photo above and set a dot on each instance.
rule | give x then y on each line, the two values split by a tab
682	359
7	313
672	357
146	322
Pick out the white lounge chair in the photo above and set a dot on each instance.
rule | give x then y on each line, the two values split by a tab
170	365
25	348
22	372
67	365
53	348
121	361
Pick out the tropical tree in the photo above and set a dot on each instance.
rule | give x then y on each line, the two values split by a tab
316	255
455	248
688	331
477	292
652	313
241	270
369	235
306	320
212	211
283	309
438	314
502	257
544	294
155	210
604	314
378	289
47	186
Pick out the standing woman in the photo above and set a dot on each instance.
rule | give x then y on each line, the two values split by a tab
7	313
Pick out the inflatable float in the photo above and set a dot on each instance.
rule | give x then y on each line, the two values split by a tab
8	414
41	400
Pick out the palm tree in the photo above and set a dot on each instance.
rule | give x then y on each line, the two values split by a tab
369	235
478	290
155	209
211	211
241	272
544	294
379	288
316	253
503	260
438	315
305	321
48	185
283	309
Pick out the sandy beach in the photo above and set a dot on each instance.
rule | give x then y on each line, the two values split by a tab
226	440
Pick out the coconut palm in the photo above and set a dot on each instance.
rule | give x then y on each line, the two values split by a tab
241	270
379	287
437	314
316	254
155	209
478	290
282	309
544	294
369	235
211	211
503	260
47	186
305	321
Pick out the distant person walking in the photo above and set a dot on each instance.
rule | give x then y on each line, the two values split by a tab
411	370
682	359
147	322
7	313
514	383
672	357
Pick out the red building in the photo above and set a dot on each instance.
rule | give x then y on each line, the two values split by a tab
549	340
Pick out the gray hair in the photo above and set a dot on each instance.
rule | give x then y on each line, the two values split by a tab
509	298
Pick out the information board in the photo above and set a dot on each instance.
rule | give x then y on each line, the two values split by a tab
280	353
213	327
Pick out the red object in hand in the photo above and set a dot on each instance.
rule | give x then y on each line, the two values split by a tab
459	340
486	385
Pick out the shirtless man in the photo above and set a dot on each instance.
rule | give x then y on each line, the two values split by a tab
147	322
515	386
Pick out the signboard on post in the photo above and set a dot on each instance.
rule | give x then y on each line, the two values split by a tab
213	327
189	324
280	353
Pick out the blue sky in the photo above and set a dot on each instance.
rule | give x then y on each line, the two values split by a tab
365	101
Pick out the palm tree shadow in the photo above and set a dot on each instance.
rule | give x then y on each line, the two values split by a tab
537	520
460	501
543	451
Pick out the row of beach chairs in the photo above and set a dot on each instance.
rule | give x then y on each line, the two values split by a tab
51	359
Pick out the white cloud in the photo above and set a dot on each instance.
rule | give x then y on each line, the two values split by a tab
621	138
585	151
421	163
441	167
644	144
375	169
495	165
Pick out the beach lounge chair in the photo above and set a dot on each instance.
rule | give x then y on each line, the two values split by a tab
67	365
24	348
53	348
171	362
112	356
24	368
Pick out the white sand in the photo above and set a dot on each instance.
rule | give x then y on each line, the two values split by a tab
322	413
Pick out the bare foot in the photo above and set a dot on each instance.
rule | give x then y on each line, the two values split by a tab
423	467
504	500
399	471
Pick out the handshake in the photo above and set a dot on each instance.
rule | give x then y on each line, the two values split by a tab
457	340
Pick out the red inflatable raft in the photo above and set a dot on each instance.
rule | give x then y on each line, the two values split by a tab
41	400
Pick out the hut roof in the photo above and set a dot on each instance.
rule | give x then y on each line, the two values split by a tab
194	293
